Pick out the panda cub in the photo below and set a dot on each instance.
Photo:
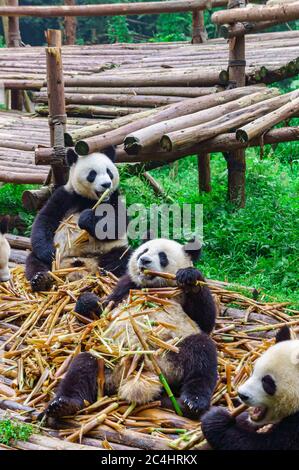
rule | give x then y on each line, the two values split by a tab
4	251
192	371
89	178
273	393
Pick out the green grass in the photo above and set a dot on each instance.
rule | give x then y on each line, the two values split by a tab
14	431
256	246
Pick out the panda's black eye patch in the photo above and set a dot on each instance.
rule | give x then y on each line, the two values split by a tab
110	173
142	253
163	259
269	384
91	176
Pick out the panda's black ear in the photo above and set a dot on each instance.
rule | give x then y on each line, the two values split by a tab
193	249
284	334
4	224
71	156
110	152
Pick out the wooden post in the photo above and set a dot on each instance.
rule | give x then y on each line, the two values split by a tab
14	40
199	33
4	23
70	25
204	172
236	162
56	101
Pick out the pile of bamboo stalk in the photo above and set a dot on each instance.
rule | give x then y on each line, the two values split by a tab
40	333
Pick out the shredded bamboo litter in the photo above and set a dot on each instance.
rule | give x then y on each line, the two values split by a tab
40	334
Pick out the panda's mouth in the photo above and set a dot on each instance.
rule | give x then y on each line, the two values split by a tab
258	413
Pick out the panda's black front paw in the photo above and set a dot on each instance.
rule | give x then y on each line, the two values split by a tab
63	406
193	406
42	281
187	278
86	220
88	304
217	419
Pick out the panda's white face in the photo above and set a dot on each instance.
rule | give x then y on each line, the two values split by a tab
161	255
273	388
92	175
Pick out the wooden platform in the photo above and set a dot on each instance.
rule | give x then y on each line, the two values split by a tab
269	50
20	134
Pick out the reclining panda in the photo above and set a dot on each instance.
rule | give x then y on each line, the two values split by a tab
89	178
192	371
272	393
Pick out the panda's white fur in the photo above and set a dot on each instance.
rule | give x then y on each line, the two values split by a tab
4	258
177	259
281	363
79	172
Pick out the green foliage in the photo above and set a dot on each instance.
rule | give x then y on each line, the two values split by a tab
173	27
14	431
118	30
2	43
11	203
256	246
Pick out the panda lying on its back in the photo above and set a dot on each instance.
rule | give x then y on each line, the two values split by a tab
192	371
89	178
273	393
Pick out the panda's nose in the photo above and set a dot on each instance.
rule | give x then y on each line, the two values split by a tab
145	261
106	185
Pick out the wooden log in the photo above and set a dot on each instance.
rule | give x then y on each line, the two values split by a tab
57	113
130	438
188	92
18	256
92	111
173	78
17	241
151	135
239	29
186	138
100	128
259	126
21	178
109	99
70	25
110	9
92	144
284	12
34	199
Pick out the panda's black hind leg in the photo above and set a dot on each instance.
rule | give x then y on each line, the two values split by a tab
198	360
37	273
77	389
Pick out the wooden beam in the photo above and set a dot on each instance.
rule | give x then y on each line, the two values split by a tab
111	9
70	25
284	12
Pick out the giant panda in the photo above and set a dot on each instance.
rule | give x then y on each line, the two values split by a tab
89	178
272	392
192	371
4	251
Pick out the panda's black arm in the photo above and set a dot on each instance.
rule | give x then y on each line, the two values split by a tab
198	301
223	433
122	289
47	222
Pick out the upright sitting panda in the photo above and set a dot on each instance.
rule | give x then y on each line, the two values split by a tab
4	251
89	178
192	371
273	393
